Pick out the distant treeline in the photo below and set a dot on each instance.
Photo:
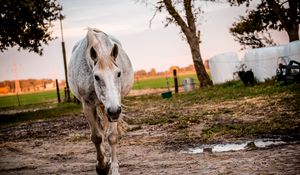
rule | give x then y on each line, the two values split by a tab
29	85
152	73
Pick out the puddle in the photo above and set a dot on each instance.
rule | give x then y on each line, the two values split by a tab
215	148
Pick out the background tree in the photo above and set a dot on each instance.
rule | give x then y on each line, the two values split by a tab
140	73
26	23
152	72
184	14
253	30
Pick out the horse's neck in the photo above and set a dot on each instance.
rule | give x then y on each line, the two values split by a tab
84	74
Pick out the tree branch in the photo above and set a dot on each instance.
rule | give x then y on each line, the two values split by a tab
279	12
189	15
294	6
152	18
170	8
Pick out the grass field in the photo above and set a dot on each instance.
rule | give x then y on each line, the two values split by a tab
30	98
50	96
161	82
230	109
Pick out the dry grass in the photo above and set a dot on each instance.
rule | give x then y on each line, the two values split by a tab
221	112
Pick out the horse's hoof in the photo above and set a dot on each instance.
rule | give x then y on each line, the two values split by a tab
103	170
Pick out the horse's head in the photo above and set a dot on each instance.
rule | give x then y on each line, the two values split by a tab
102	55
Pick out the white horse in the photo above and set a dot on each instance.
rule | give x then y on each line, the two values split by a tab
100	74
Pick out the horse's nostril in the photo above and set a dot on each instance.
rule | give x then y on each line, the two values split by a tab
119	110
112	112
109	112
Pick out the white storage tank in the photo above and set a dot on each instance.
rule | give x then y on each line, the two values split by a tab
223	66
188	84
263	61
292	51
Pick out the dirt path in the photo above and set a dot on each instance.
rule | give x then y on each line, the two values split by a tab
58	147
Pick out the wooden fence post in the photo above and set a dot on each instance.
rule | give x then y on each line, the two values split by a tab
57	91
175	80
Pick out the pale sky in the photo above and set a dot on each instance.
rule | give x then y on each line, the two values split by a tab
156	47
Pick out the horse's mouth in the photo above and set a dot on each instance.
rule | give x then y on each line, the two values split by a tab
114	118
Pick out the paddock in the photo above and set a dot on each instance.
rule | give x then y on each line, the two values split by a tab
161	131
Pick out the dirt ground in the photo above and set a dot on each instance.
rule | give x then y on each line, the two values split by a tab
62	146
160	132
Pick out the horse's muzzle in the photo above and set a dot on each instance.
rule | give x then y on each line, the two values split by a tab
113	114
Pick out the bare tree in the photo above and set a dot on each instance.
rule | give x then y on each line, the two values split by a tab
186	19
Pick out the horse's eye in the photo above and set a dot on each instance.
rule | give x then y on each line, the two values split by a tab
119	74
97	77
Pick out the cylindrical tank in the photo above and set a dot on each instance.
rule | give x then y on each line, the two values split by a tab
292	51
263	61
223	66
188	84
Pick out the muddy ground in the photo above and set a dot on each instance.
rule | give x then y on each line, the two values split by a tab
62	146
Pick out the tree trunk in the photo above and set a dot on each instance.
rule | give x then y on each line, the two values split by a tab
189	30
293	20
289	19
202	75
293	33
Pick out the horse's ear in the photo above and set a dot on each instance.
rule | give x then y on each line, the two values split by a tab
114	52
93	53
91	39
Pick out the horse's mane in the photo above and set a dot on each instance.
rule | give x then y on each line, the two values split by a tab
95	30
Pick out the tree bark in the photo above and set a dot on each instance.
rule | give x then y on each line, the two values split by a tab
199	67
293	28
293	33
190	32
288	20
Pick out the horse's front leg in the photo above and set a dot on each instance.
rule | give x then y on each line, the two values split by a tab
97	137
112	140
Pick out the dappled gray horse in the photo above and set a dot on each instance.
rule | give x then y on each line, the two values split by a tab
100	74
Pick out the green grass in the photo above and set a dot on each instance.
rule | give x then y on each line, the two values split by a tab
50	96
280	113
236	90
59	110
30	99
286	123
161	82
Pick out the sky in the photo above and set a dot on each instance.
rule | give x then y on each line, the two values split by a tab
156	47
